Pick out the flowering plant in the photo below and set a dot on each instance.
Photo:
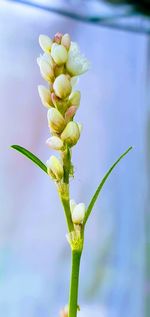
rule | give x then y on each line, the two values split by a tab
60	65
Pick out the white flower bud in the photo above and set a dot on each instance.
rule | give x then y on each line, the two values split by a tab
78	213
45	69
45	96
54	168
71	133
55	143
59	53
76	64
55	120
75	97
72	205
62	86
45	43
65	41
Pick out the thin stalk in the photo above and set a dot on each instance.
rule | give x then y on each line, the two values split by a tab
76	254
66	205
74	283
64	188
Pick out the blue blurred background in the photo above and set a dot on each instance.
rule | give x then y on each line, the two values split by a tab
115	112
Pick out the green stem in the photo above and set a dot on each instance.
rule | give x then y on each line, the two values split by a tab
64	188
76	254
66	156
66	205
74	283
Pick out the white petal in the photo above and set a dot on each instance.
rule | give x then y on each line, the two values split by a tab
76	64
45	42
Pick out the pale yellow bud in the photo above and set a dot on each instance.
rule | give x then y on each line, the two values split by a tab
72	205
45	69
62	86
55	143
54	168
55	120
71	133
45	43
75	97
66	41
59	53
45	96
78	213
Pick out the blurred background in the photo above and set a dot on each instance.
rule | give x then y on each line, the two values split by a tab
115	112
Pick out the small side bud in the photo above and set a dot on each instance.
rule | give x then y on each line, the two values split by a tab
66	41
56	121
58	37
55	99
59	53
78	213
44	94
75	97
54	168
55	143
71	111
45	43
71	134
60	104
62	86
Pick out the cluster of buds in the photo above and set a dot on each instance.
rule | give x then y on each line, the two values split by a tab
60	65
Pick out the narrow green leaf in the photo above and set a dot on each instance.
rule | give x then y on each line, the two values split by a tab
30	156
95	196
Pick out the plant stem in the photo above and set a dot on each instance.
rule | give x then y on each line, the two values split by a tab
76	253
63	189
74	283
66	205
